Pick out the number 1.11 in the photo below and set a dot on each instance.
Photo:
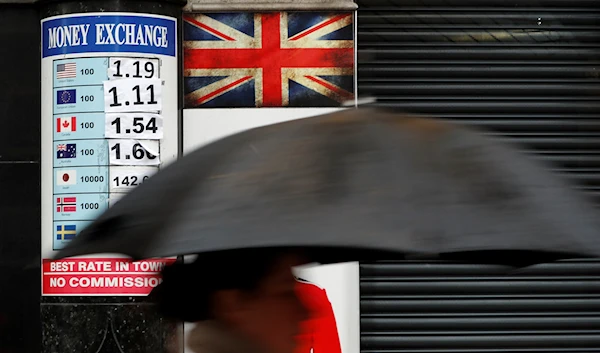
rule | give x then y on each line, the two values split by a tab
138	96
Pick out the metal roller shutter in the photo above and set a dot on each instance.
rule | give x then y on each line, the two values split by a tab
528	70
446	307
525	70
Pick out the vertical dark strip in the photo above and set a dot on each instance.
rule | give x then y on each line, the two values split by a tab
19	179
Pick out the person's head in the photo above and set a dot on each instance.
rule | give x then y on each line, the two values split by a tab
251	294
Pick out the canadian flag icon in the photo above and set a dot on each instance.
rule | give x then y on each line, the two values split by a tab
68	124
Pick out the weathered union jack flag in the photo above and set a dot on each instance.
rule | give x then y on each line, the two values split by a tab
298	59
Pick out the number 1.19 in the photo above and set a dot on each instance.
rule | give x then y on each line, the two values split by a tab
148	68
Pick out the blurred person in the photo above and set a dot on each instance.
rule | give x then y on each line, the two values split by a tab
319	333
239	304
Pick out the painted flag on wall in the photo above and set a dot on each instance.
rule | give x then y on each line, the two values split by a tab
66	124
66	96
319	333
298	59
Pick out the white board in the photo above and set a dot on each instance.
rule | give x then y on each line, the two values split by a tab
340	281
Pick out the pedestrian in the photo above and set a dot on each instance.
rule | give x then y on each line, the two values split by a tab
243	303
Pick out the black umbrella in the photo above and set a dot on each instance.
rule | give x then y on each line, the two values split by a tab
356	179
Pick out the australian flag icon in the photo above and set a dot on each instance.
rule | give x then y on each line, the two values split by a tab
66	150
66	96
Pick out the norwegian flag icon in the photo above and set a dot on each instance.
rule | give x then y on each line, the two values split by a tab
296	59
66	204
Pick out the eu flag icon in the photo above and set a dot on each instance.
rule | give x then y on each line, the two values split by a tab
66	232
66	96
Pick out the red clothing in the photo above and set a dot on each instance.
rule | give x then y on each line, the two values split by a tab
319	332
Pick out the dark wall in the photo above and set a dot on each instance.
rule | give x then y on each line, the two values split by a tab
19	179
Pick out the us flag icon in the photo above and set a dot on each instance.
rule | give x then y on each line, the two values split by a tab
66	70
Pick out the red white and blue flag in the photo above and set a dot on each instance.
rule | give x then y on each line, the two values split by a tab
295	59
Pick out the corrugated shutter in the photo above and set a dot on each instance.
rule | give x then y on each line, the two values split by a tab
523	69
448	307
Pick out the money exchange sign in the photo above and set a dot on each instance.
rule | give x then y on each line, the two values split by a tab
109	122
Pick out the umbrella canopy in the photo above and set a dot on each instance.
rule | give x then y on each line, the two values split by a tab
355	179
